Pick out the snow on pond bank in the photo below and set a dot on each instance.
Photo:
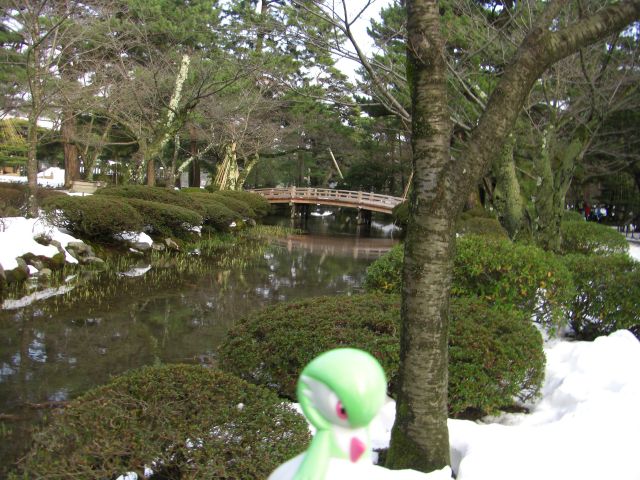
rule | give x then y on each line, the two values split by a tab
17	238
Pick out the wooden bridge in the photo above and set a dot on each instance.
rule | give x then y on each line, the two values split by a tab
328	196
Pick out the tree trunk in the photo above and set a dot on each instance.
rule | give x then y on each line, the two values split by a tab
194	171
32	165
420	438
71	162
151	172
507	198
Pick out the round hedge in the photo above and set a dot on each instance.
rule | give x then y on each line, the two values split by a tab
165	219
608	294
591	238
256	201
495	353
234	205
496	269
92	217
151	194
183	421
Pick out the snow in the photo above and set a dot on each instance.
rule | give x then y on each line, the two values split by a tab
51	177
17	238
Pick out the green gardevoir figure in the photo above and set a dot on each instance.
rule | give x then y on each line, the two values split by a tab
340	392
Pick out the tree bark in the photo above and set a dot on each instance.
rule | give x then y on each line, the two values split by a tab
71	163
441	184
507	198
420	438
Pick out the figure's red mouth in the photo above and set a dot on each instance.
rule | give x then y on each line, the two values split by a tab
358	447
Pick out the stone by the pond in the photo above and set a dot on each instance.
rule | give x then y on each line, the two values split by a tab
158	247
80	250
141	246
171	245
93	262
45	272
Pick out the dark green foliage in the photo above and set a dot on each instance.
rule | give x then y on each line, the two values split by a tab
271	346
14	197
591	237
215	216
502	272
495	353
572	216
92	217
512	274
385	274
234	205
185	421
256	201
608	294
475	225
152	194
165	219
400	214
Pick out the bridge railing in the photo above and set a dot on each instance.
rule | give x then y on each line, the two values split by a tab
346	196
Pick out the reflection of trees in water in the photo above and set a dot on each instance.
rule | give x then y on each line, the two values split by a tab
56	349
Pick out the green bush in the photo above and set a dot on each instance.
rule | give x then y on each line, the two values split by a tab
164	219
385	274
507	273
475	225
185	422
498	270
591	237
232	204
215	216
151	194
495	353
92	217
14	197
256	201
607	294
572	216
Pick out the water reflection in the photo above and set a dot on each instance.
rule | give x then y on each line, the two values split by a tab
55	349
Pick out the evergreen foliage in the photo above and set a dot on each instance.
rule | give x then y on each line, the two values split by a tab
495	269
608	294
183	421
495	353
591	238
165	219
93	217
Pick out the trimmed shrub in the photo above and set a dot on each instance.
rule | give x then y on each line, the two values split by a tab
476	225
498	270
92	217
14	197
385	274
512	274
591	237
151	194
256	201
607	294
183	421
215	216
572	216
495	353
232	204
164	219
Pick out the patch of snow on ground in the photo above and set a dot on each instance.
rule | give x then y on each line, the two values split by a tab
51	177
634	250
17	238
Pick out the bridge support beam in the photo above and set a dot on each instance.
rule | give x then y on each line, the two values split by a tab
364	217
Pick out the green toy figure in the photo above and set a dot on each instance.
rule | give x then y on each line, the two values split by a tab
340	392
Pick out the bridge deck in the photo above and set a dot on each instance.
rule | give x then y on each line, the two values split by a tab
327	196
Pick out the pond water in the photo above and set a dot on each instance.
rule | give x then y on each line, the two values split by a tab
178	311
